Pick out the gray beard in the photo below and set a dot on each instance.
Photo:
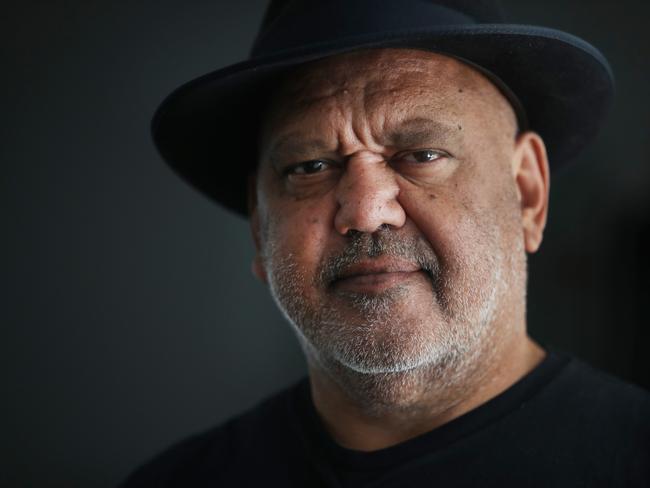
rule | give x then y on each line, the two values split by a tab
380	354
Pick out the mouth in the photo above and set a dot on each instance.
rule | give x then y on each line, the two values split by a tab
377	275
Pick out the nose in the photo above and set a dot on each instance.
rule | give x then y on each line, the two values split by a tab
367	196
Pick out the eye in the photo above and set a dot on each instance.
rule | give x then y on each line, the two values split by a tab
308	167
420	156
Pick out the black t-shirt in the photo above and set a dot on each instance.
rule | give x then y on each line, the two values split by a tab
563	425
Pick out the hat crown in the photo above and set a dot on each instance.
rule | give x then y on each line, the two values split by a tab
564	83
291	24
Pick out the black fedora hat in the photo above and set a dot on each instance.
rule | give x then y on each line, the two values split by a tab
207	129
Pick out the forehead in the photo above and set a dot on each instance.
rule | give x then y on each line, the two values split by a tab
388	68
385	83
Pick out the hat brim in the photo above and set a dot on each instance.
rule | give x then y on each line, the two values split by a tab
207	129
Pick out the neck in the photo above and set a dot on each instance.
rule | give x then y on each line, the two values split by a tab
371	412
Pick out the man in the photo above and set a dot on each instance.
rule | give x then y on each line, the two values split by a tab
401	176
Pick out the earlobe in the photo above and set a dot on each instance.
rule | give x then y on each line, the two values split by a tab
531	173
258	269
257	266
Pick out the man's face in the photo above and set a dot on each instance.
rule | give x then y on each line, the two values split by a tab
387	216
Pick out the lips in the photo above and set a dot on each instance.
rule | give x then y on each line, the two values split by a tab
378	266
375	275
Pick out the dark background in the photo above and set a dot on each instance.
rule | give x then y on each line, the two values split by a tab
129	316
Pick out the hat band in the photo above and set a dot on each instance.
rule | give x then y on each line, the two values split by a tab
310	23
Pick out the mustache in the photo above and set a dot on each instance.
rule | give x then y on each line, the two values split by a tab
363	246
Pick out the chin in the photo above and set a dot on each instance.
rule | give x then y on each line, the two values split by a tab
377	345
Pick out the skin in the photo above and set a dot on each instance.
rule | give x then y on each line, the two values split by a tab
392	210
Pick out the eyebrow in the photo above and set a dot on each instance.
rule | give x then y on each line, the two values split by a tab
418	132
295	144
410	133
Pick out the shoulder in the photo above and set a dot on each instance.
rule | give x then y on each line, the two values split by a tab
581	385
594	419
211	455
585	397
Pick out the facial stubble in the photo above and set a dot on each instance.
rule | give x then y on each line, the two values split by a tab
375	340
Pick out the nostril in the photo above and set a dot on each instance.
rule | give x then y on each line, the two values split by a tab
354	233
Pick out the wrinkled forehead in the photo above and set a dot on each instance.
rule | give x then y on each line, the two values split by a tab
400	78
392	68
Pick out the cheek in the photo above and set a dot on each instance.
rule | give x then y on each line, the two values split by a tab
468	230
444	216
292	227
299	232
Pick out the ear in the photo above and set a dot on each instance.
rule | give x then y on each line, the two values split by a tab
257	266
531	174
